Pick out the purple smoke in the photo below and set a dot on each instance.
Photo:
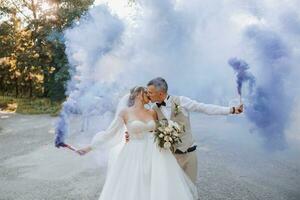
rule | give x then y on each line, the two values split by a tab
69	107
242	75
88	90
269	106
161	38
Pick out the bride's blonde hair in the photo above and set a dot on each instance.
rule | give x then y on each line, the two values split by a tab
134	92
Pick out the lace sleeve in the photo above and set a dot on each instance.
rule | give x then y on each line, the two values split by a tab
112	136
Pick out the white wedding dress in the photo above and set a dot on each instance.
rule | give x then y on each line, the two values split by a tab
141	170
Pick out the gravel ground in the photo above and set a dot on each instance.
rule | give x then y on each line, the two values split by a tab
232	164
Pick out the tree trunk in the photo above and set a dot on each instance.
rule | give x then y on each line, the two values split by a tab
16	87
2	86
45	83
30	88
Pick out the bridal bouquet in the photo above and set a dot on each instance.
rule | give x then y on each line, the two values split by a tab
167	134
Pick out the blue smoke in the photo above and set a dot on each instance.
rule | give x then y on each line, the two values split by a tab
188	43
242	75
94	36
270	105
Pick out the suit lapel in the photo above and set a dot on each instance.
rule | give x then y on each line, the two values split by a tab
159	113
172	107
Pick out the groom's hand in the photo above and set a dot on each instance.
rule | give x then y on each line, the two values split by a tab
238	109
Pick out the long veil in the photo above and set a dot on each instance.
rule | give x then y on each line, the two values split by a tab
108	151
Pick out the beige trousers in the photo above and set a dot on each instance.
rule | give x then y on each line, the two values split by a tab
189	163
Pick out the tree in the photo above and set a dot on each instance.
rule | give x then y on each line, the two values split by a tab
32	56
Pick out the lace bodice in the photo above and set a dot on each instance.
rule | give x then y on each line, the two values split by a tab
138	129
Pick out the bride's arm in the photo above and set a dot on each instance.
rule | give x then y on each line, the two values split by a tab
110	137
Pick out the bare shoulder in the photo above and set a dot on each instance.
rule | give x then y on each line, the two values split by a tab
124	113
153	113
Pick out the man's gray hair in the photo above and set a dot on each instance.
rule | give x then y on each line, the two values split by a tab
159	83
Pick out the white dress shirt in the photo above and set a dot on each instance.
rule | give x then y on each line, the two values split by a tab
189	105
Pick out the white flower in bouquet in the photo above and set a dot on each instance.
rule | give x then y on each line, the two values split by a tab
166	138
168	133
167	145
168	129
160	129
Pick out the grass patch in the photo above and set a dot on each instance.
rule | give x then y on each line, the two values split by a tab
29	105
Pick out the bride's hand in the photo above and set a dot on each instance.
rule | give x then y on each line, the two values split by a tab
84	151
126	136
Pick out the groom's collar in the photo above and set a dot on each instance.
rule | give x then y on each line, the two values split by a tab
167	99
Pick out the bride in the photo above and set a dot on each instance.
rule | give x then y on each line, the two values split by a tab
141	170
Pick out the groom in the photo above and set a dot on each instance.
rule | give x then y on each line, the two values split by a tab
177	109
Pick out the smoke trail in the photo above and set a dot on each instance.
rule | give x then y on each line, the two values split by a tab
242	75
94	36
268	108
188	43
270	105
